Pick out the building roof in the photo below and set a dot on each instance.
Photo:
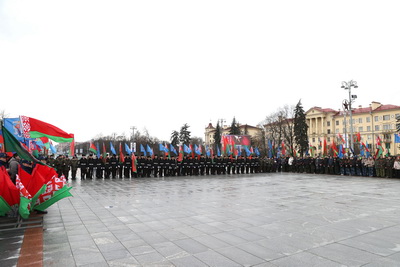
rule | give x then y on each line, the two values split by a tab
362	110
210	126
324	110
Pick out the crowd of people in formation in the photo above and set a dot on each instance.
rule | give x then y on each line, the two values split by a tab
159	166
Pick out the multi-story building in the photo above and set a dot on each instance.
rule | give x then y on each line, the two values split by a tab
245	129
371	122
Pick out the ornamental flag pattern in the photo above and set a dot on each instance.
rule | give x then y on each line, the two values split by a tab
26	126
22	189
52	186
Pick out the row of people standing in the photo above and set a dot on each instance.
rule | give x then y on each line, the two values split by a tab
157	166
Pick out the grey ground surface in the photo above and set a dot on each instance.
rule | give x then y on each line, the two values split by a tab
279	219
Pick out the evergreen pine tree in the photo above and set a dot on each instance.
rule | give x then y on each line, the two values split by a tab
217	136
300	128
184	134
235	130
175	138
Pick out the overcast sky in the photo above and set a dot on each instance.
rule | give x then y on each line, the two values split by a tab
92	67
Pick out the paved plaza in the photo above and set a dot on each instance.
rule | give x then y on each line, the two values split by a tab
278	219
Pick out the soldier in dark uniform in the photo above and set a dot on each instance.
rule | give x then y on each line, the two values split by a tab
120	167
99	165
83	164
172	166
114	166
91	163
202	164
107	167
74	166
127	166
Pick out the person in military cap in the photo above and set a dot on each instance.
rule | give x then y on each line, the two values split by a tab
114	166
91	163
83	166
3	160
127	166
66	166
27	166
74	166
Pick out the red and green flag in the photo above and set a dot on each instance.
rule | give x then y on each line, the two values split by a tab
56	189
93	148
134	162
33	128
11	144
121	154
9	193
181	153
25	199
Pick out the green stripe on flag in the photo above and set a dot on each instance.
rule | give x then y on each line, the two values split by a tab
57	139
58	195
23	207
41	191
4	207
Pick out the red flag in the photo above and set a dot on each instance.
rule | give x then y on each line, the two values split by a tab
33	128
341	138
41	175
24	176
53	185
8	190
134	162
180	156
358	137
334	148
325	148
283	148
72	148
121	155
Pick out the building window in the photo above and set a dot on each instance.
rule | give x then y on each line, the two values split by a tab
369	146
329	131
386	127
386	117
369	137
328	123
359	120
337	131
368	128
376	127
329	139
360	129
337	122
368	119
376	118
313	140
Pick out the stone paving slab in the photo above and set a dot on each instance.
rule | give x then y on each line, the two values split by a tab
279	219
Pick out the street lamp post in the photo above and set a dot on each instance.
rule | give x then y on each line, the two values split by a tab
347	86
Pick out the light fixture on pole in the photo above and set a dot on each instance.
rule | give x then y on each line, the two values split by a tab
347	86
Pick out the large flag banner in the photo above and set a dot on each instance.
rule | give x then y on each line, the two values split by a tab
33	128
172	149
238	140
25	199
112	149
13	125
11	144
142	150
397	138
121	154
56	189
134	163
149	150
93	148
181	152
127	149
9	193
